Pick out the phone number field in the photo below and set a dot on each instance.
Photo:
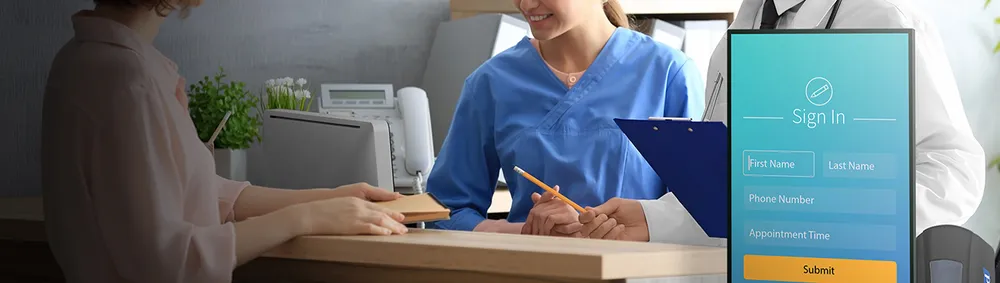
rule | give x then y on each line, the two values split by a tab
779	163
820	200
820	235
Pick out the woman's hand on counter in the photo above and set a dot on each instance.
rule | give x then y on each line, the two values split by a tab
348	216
332	216
256	201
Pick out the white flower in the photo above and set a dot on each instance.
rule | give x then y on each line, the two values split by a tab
306	94
299	94
301	82
269	83
289	81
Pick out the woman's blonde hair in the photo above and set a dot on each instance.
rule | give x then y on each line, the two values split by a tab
613	10
162	7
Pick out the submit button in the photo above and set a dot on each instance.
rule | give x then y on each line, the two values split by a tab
827	270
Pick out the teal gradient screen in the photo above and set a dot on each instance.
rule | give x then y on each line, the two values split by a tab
821	148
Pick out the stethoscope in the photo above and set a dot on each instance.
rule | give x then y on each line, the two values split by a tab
833	14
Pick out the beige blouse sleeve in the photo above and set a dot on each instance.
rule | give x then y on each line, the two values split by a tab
229	191
140	197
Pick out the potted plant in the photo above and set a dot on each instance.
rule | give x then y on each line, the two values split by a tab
286	93
210	100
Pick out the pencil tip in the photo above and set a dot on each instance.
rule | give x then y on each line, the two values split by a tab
518	170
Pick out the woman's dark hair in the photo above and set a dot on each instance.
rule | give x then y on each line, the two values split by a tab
162	7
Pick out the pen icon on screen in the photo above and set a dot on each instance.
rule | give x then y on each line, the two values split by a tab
821	90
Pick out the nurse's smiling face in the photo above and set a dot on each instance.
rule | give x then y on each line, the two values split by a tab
552	18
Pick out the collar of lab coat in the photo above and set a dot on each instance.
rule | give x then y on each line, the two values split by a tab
812	14
783	5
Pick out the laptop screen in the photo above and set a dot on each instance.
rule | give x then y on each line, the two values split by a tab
821	148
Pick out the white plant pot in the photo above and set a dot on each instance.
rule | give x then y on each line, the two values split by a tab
231	164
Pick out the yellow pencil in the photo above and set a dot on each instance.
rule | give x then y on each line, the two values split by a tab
550	189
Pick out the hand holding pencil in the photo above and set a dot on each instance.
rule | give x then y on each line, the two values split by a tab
553	213
549	189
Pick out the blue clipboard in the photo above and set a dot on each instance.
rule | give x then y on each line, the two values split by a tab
691	159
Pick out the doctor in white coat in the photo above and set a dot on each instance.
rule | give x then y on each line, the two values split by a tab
950	163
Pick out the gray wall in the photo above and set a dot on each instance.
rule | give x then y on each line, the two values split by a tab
324	41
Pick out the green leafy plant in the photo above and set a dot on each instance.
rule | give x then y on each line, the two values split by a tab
995	163
211	99
996	49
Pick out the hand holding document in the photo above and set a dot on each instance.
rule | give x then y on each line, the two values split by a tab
363	191
344	216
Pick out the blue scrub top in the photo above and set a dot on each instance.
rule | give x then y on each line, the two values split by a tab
514	111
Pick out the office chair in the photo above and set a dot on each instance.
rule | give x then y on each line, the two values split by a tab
953	254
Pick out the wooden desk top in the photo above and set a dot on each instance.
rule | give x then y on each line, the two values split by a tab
21	219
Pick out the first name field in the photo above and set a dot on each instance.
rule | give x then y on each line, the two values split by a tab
779	163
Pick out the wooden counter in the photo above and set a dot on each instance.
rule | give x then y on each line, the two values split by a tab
420	256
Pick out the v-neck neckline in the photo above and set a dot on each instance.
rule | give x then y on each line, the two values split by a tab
568	79
618	46
583	77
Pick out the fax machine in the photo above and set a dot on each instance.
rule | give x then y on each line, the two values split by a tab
361	133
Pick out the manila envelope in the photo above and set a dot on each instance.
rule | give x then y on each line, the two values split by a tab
419	208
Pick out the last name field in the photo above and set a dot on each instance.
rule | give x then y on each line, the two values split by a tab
781	199
850	166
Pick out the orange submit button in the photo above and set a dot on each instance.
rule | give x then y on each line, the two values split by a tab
819	270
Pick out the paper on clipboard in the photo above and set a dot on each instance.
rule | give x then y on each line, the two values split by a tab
716	100
717	92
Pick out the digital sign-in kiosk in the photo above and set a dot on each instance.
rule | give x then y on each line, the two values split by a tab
821	147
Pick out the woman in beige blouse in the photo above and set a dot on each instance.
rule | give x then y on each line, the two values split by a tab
131	193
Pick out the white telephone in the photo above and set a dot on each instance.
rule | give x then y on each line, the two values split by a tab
408	115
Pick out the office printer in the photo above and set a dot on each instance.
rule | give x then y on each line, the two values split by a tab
953	254
311	150
362	133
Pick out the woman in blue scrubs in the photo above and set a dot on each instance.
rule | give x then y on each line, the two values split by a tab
547	105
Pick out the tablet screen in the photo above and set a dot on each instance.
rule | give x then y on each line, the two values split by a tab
820	150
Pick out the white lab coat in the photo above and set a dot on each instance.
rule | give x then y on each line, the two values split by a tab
950	163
